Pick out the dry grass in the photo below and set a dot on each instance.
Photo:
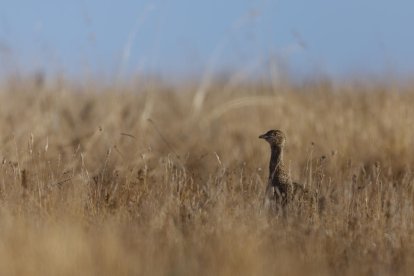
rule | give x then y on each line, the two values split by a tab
145	180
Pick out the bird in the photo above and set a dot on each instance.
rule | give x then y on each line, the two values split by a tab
279	186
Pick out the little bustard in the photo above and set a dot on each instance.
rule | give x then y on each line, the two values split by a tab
279	185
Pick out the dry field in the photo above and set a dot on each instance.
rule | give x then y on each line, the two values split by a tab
145	179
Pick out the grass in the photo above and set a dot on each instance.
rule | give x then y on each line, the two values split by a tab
148	179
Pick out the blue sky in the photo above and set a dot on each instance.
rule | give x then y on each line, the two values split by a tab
185	38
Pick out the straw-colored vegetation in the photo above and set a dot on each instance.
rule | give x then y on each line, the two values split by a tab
145	179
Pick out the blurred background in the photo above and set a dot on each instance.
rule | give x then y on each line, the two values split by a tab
184	39
129	137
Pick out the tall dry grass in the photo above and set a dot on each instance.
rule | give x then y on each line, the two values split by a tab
135	180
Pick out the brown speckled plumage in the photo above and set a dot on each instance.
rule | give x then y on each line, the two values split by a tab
280	186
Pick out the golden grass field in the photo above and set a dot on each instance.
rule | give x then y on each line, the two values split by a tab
148	179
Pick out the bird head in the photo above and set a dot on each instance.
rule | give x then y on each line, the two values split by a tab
274	137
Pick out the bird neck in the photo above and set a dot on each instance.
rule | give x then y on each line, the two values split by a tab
276	159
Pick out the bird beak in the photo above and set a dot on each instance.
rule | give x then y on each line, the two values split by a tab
263	136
